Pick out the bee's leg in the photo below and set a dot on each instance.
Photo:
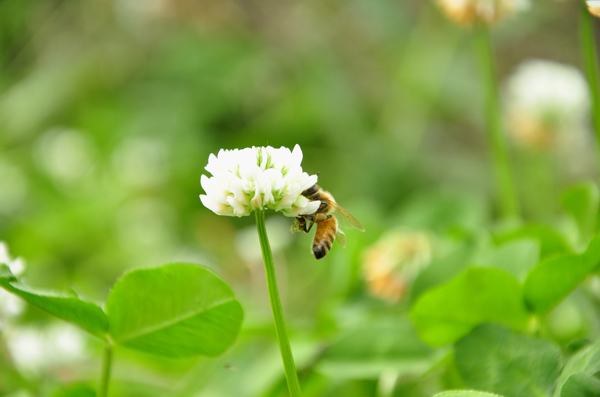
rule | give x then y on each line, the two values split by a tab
307	218
318	217
323	207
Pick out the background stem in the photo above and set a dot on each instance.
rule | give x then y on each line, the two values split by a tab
502	171
106	366
590	58
282	337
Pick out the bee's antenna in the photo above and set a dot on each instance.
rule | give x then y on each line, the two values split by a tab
318	173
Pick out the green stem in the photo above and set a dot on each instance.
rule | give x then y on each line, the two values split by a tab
282	337
590	58
106	365
502	171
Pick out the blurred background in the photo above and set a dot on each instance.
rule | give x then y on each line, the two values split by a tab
109	111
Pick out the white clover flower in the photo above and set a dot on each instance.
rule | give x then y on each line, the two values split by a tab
394	261
37	349
546	105
468	12
594	7
257	178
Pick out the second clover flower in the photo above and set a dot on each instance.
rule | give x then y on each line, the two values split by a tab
257	178
469	12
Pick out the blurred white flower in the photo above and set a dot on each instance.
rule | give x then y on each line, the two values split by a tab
257	178
145	225
391	264
10	305
468	12
594	7
546	104
141	162
35	349
65	154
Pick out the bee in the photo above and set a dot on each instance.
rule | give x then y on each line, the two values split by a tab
327	224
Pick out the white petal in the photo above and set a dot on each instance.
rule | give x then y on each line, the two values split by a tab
237	189
307	181
214	206
239	209
213	189
4	257
297	155
257	201
17	267
309	208
287	200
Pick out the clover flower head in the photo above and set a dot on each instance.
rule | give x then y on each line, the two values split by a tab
594	7
257	178
468	12
392	263
546	104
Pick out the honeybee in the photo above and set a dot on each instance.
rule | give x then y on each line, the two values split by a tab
327	224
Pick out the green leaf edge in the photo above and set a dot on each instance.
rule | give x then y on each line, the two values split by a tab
7	279
592	251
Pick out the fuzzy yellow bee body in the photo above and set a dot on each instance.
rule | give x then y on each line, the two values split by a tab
327	223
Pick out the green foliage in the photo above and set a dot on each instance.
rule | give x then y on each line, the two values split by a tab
75	391
450	311
84	314
582	201
443	211
109	111
443	268
516	257
581	385
585	362
494	359
176	310
554	278
465	393
368	351
551	242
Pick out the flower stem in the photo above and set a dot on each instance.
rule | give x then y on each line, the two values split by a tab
502	171
106	366
284	343
590	58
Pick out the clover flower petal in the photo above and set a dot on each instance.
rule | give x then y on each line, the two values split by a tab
594	7
257	178
394	261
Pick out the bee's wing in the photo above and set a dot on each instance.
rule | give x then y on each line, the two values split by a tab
340	237
350	220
